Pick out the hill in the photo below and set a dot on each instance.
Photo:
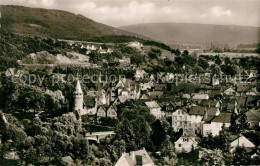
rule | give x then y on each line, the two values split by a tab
184	33
54	23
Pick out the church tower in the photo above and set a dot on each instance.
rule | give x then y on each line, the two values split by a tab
78	98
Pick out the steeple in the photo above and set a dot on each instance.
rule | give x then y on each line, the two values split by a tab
78	89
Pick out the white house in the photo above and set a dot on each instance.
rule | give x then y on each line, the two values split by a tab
252	92
139	74
101	112
135	158
111	112
241	141
154	108
181	119
186	143
135	44
214	125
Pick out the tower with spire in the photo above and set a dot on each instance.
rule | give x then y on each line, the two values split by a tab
78	98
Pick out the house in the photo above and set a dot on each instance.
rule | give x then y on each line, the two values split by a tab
200	96
241	141
211	103
230	92
123	99
215	81
186	143
253	117
68	160
242	88
13	72
109	50
229	105
135	158
180	119
155	94
101	112
160	87
139	74
125	60
214	125
252	92
186	96
144	97
154	108
127	87
112	111
198	113
135	44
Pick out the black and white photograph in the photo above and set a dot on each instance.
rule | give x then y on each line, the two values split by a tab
129	82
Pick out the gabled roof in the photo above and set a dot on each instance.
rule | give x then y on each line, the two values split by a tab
152	104
186	96
209	102
123	99
243	87
131	158
156	93
253	115
182	108
198	110
230	90
222	118
199	96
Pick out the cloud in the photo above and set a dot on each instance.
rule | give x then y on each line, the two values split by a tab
218	11
125	12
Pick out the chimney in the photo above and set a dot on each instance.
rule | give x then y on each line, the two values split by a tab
205	114
132	155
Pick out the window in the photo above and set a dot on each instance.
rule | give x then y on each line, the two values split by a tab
179	145
179	112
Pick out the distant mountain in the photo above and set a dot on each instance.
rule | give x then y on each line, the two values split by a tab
197	33
54	23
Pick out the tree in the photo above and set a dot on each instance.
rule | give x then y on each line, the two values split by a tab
218	60
223	139
152	55
167	148
203	63
228	70
177	52
212	157
227	61
240	123
124	131
256	159
185	53
158	134
240	156
136	59
215	70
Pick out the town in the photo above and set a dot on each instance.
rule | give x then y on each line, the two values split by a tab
165	115
74	92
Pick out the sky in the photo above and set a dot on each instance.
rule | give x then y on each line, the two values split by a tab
126	12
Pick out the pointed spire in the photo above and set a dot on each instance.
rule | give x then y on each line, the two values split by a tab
78	88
